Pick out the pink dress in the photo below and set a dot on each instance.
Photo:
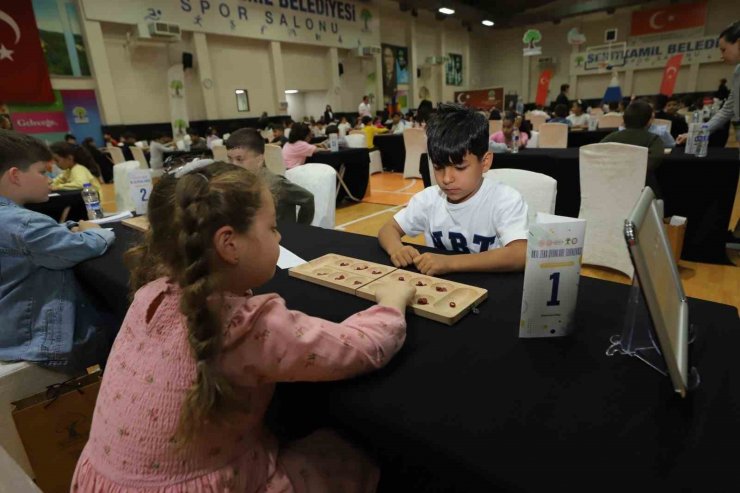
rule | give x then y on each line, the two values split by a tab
132	444
295	154
500	138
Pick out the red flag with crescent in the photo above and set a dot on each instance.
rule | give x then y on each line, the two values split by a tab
25	77
670	74
668	18
543	87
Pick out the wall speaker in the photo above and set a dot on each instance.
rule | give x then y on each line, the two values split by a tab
187	60
341	69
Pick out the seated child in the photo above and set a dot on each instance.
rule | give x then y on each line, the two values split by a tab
333	129
298	148
78	167
44	316
193	370
561	114
371	131
465	212
246	148
505	135
278	135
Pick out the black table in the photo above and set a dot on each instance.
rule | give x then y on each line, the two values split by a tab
700	189
473	408
56	205
578	138
353	167
392	151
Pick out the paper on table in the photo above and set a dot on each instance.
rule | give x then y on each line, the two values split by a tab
53	194
113	218
288	259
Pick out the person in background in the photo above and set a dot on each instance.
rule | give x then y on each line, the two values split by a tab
298	148
197	143
212	134
344	126
621	105
423	113
129	140
578	119
561	115
333	129
684	108
78	167
637	120
505	135
524	126
364	108
263	121
278	135
104	163
70	139
722	91
398	124
109	140
328	115
201	355
371	131
246	148
495	111
613	109
563	96
667	109
318	128
46	318
482	219
158	146
378	122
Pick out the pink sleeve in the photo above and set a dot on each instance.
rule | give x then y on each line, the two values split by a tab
524	138
498	137
307	149
287	345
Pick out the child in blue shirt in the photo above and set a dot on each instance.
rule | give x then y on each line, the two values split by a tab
44	317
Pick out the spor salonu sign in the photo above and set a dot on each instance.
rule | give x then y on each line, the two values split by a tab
339	23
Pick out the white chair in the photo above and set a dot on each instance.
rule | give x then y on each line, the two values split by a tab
611	121
534	140
538	190
142	144
612	178
357	140
116	154
553	136
180	145
274	159
537	120
597	112
415	142
321	181
15	479
216	142
124	201
267	134
376	163
660	122
219	153
17	381
494	126
139	156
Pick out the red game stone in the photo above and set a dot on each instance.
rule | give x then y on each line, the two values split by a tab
423	301
362	267
419	283
358	282
377	272
441	289
339	278
343	264
401	278
452	304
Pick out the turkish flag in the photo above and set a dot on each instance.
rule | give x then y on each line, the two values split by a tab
669	18
670	73
25	77
543	86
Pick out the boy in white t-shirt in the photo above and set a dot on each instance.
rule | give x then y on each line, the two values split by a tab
465	213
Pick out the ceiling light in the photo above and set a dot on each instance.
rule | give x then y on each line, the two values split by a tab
291	91
487	23
446	11
239	91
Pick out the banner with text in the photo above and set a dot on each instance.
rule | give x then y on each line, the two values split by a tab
643	56
481	99
340	23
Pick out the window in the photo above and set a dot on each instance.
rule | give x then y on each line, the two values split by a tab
59	27
242	100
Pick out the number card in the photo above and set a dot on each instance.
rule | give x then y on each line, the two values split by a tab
140	187
554	252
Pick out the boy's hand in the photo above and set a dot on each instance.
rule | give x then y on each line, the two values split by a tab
404	256
394	294
432	264
85	225
681	139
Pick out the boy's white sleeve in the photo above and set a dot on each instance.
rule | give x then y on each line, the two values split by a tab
414	220
511	216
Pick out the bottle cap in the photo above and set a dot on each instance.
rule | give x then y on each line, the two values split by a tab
85	185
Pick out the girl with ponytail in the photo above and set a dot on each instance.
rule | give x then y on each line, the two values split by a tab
195	364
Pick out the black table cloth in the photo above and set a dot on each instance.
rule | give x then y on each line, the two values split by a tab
355	163
392	151
578	138
56	205
473	408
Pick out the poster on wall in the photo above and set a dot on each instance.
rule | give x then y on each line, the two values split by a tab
395	69
481	99
61	37
178	110
454	70
82	115
530	39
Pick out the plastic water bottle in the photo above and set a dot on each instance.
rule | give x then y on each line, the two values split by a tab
92	202
702	141
694	129
515	141
333	142
520	107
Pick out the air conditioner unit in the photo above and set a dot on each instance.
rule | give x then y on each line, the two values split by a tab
368	51
166	31
437	60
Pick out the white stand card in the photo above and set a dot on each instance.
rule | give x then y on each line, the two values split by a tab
554	251
140	187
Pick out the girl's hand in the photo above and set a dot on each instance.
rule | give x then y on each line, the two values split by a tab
394	294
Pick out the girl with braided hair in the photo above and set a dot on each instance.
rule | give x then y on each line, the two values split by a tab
196	361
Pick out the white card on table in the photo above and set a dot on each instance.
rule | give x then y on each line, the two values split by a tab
288	259
140	187
554	252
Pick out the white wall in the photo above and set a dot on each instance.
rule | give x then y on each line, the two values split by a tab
306	67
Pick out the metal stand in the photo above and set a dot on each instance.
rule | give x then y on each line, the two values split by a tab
342	184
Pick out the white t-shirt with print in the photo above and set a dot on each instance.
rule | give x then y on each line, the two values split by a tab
579	120
494	217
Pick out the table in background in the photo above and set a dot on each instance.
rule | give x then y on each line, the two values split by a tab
578	138
392	151
56	205
353	167
474	408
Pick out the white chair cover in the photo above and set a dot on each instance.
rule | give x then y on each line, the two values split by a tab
611	121
219	153
124	202
415	141
180	145
142	144
596	112
15	479
140	157
534	140
321	181
217	142
274	159
17	381
612	178
537	120
660	122
376	163
356	140
538	191
494	126
553	135
116	154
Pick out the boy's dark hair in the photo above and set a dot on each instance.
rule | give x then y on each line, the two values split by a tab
454	131
638	114
70	136
192	131
613	106
366	119
298	132
277	126
509	115
79	154
129	135
246	138
660	101
20	151
397	113
731	33
331	129
561	111
564	87
157	135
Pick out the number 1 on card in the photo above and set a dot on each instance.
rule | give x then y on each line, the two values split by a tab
555	278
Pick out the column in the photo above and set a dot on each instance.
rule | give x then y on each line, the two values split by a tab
629	77
414	63
525	79
332	95
278	77
378	101
443	53
693	77
105	90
